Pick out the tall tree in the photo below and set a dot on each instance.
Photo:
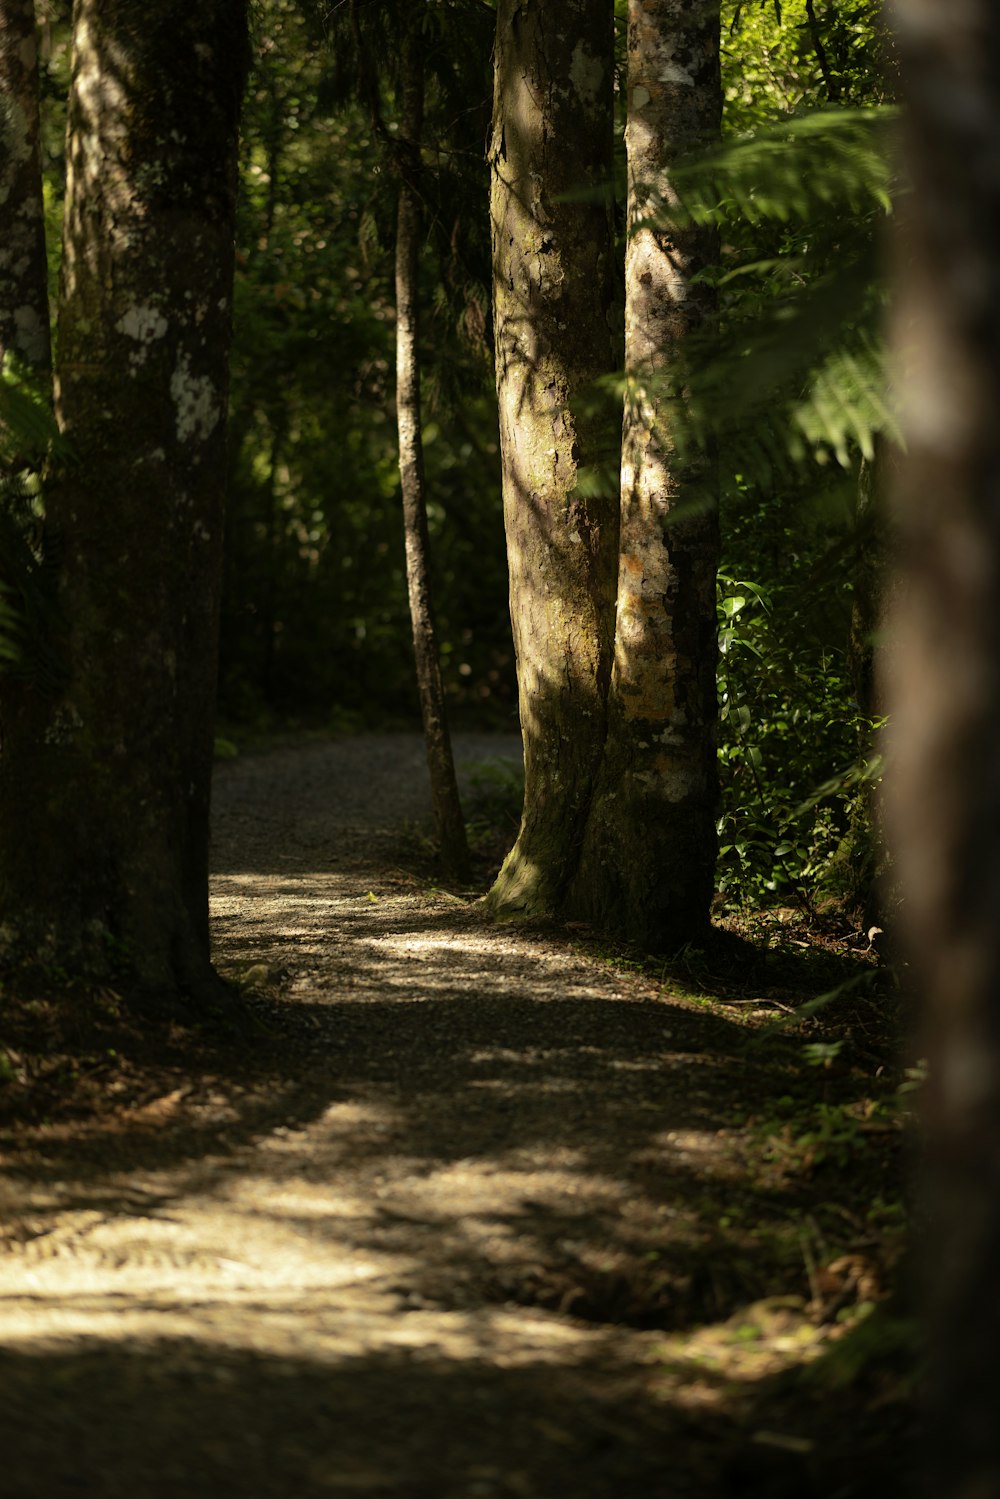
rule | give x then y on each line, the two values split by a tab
24	298
551	156
943	686
404	154
409	421
648	859
104	777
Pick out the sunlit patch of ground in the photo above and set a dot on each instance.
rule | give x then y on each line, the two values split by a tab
463	1212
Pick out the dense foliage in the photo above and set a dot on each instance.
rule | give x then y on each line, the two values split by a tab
315	620
794	394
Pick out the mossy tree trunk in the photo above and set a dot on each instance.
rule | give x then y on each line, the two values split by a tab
444	787
551	159
647	868
104	779
943	695
24	296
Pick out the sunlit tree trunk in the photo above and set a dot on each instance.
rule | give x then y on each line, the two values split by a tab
943	689
104	781
649	854
552	279
444	788
24	298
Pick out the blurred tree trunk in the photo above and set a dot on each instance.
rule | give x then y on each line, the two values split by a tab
551	159
648	861
943	691
444	787
24	295
104	781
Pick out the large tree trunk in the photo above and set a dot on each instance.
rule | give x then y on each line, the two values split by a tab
24	296
104	781
943	689
552	277
444	787
648	863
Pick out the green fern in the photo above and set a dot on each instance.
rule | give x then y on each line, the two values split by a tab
28	430
792	370
794	172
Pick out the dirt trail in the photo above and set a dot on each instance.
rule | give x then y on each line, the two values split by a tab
452	1249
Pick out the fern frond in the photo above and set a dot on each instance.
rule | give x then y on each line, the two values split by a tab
803	168
28	431
792	371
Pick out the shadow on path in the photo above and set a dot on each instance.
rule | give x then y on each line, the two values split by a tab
439	1228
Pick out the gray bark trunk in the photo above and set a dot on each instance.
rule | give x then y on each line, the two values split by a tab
24	297
440	763
104	783
943	691
648	862
552	278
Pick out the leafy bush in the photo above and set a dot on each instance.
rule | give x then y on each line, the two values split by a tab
795	755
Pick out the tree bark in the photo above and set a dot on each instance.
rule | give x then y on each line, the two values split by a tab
440	763
943	690
104	783
872	579
648	862
551	158
861	855
24	294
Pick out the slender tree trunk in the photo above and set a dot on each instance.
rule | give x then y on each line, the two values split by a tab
861	854
24	295
816	34
648	863
552	278
266	588
444	787
871	581
104	783
943	689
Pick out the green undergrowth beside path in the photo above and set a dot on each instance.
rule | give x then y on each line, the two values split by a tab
800	1225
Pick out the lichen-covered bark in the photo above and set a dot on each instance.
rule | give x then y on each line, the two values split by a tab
942	687
552	278
104	784
649	853
440	762
24	300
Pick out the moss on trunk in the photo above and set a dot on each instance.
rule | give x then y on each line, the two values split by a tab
552	276
647	866
104	784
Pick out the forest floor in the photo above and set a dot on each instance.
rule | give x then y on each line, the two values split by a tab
461	1211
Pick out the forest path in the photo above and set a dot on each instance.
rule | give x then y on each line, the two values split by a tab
449	1234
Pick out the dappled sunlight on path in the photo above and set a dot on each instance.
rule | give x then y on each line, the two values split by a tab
441	1258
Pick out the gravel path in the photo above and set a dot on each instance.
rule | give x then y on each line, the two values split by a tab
436	1256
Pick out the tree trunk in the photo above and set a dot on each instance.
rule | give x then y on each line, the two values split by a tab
861	854
24	295
551	160
104	782
943	689
444	787
648	863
